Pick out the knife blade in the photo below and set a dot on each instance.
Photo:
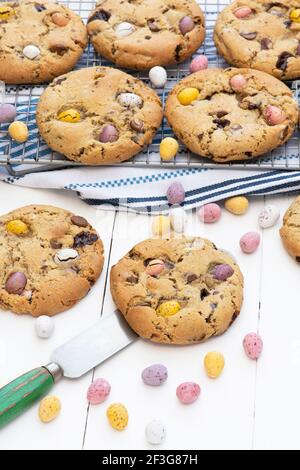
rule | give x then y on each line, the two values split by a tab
72	360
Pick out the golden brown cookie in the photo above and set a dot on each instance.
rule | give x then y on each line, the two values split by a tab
177	291
290	230
139	34
98	115
231	114
50	258
261	34
39	40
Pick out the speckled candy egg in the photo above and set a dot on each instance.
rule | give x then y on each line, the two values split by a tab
268	216
124	29
168	309
7	113
130	100
155	267
98	391
158	76
186	24
199	63
273	115
168	148
44	326
17	227
253	345
221	272
49	408
31	52
237	205
238	82
188	392
188	95
117	416
249	242
66	256
155	375
214	364
16	283
18	131
178	219
175	193
209	213
242	12
155	432
69	115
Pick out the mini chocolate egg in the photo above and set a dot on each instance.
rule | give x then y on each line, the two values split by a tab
238	82
108	134
175	193
59	19
44	326
155	267
16	283
49	408
98	391
130	100
268	216
6	12
158	76
18	131
237	205
155	432
186	24
168	309
31	52
168	148
295	15
188	95
17	227
214	364
253	345
117	416
69	115
178	219
7	113
209	213
66	256
221	272
161	225
199	63
249	242
155	375
273	115
242	12
188	392
124	29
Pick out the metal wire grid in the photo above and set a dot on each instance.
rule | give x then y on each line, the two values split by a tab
24	97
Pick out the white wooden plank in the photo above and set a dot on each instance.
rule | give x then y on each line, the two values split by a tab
21	350
278	379
223	416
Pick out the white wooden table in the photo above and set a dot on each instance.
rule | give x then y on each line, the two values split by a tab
252	405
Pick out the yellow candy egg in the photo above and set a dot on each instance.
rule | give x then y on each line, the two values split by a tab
188	95
237	205
214	364
161	225
6	12
117	416
70	115
295	15
168	148
169	308
49	408
18	131
17	227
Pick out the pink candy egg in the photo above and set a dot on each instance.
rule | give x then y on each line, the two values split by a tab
209	213
98	391
273	115
155	267
253	345
238	82
199	63
242	12
188	392
249	242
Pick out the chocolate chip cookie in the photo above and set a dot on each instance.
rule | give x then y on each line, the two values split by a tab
139	34
261	34
290	230
98	115
231	114
39	40
49	260
177	291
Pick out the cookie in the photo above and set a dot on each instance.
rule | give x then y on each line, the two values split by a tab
39	40
140	34
290	230
98	115
197	294
49	260
262	35
231	114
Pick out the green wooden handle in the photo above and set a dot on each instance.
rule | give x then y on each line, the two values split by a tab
22	392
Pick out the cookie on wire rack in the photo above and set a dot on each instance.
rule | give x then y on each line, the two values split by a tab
140	34
231	114
39	40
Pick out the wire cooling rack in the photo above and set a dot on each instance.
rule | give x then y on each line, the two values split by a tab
34	155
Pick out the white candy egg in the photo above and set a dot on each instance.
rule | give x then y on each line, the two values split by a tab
124	29
155	432
66	256
130	100
44	326
31	51
268	216
178	219
158	76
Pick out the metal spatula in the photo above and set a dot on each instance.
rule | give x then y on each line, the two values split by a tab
73	359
